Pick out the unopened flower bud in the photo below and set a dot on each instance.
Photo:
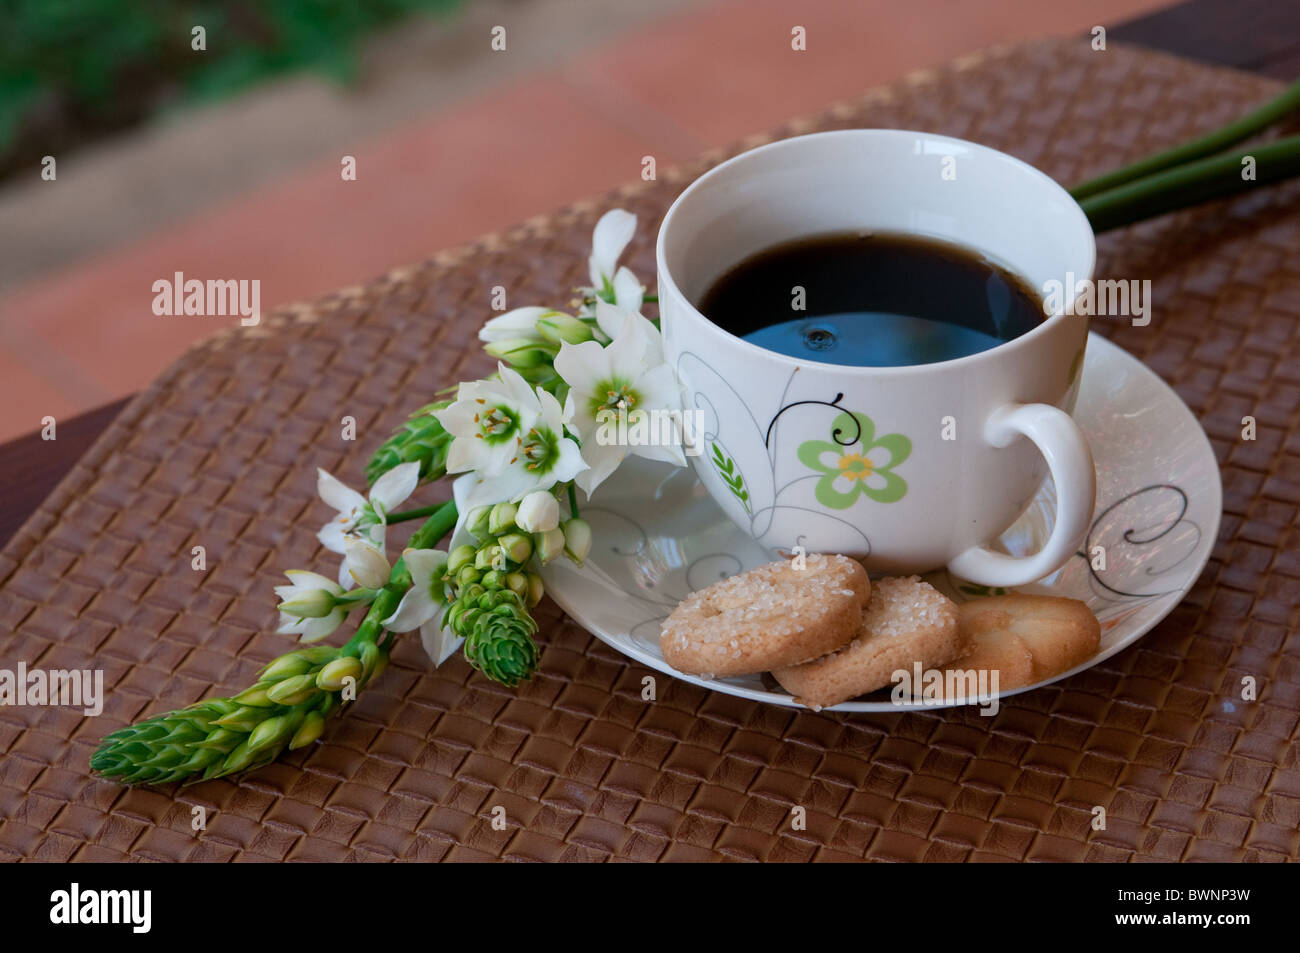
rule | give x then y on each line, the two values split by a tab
366	564
291	691
521	352
467	576
493	580
577	539
308	731
309	604
502	519
460	556
487	557
255	697
270	732
335	675
286	666
517	323
560	328
536	589
539	512
517	582
239	759
477	521
517	548
244	718
549	544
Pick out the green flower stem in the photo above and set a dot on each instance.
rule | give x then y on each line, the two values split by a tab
1207	145
368	631
435	528
1191	184
284	709
573	500
356	597
403	515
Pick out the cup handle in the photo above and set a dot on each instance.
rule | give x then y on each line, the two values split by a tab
1062	445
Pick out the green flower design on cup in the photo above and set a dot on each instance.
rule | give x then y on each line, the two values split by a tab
864	467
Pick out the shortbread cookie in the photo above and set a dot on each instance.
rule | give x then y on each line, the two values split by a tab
906	621
1027	638
993	647
775	615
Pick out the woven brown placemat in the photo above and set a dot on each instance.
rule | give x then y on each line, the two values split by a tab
221	452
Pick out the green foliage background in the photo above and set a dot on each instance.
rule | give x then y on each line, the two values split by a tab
74	69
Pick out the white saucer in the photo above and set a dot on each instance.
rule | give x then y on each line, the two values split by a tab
658	536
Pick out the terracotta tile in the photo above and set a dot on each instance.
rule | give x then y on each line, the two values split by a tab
438	182
704	77
27	397
726	70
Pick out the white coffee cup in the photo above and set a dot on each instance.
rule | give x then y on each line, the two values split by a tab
910	468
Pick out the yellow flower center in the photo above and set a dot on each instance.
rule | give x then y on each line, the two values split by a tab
854	466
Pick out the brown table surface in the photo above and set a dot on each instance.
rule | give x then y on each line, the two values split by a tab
1261	36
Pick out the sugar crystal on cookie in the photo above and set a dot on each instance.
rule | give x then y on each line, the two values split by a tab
749	622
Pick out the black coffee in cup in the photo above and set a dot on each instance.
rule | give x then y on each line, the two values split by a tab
872	300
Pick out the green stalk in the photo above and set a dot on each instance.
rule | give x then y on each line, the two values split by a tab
1191	184
284	709
1206	145
403	515
356	597
385	604
435	528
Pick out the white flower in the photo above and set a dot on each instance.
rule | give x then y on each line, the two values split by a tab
424	603
615	388
365	563
610	237
613	319
544	456
487	420
539	511
520	323
301	606
359	517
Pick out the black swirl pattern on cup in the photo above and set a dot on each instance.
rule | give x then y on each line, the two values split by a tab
1114	530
